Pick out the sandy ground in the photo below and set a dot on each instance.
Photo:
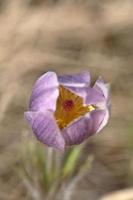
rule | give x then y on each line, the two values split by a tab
67	37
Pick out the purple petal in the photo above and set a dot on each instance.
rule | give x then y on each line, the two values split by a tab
102	87
99	120
89	95
80	92
84	127
80	85
93	96
76	132
45	128
104	121
45	93
75	80
76	83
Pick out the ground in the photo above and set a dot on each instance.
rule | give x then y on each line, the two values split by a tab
67	37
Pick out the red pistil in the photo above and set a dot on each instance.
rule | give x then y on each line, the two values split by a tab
68	104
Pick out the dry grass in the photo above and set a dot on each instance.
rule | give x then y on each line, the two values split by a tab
65	37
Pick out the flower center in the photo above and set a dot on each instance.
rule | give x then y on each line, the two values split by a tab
69	107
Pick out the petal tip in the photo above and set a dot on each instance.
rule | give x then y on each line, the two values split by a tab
59	143
28	116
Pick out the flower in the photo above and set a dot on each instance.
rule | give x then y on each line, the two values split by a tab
66	110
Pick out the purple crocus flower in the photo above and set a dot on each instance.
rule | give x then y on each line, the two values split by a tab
66	110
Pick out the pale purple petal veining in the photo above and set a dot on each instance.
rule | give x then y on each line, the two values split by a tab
93	96
76	132
102	87
104	121
43	105
82	128
45	128
45	93
76	80
97	116
80	85
76	83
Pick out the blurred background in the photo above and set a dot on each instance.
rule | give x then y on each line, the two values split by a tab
66	36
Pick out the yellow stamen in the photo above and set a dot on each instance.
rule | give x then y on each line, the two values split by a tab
69	107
